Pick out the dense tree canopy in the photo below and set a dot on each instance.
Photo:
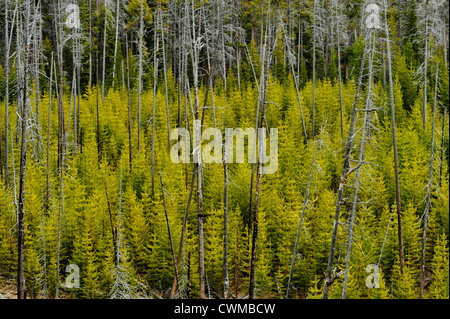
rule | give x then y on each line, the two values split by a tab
91	92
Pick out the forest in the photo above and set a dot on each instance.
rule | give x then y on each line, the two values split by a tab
103	196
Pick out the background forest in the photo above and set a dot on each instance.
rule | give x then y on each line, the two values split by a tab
91	90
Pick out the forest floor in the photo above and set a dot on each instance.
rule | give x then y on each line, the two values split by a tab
8	289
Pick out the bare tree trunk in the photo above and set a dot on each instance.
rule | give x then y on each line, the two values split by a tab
155	80
314	70
358	175
23	162
441	167
90	43
130	147
98	138
394	142
305	202
168	229
266	58
197	158
61	131
77	113
297	91
19	80
226	281
183	233
113	229
425	67
75	89
141	40
340	78
47	198
116	41
104	54
428	198
252	285
7	48
346	171
165	78
61	139
37	47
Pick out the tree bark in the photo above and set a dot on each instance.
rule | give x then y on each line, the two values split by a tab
47	198
305	202
441	167
130	146
165	78
340	78
141	40
168	230
183	233
226	281
116	41
155	80
23	162
358	175
346	171
7	44
425	67
394	142
428	198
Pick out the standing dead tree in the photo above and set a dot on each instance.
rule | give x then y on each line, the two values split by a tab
266	61
318	33
116	42
8	40
431	28
155	82
338	23
365	133
305	202
346	171
58	34
295	76
108	7
161	28
130	144
168	229
428	196
21	292
394	144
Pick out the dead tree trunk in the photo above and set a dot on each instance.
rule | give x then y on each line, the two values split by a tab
428	198
116	41
7	48
47	198
261	148
394	142
165	77
61	130
23	163
130	146
297	90
155	80
141	40
365	130
305	202
441	167
183	233
346	171
226	281
168	229
340	77
425	67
